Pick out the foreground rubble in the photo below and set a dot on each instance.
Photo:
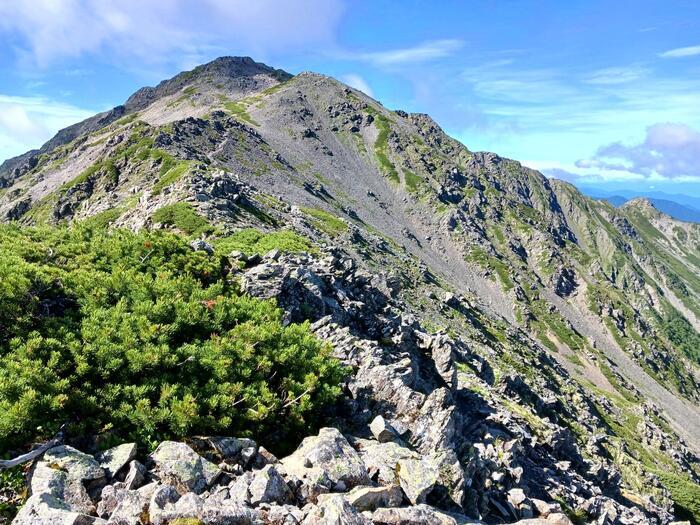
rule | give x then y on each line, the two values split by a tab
233	481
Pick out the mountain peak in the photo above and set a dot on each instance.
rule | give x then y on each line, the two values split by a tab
231	72
642	204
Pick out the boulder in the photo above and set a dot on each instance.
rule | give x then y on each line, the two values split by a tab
135	476
162	497
268	486
46	509
382	430
131	509
77	464
417	515
198	245
44	479
238	488
543	508
417	478
188	506
226	449
334	509
114	459
327	456
229	513
284	515
64	473
556	518
372	498
381	459
178	465
109	499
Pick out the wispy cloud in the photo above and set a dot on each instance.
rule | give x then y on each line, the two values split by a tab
45	31
32	121
422	52
357	82
570	101
616	75
681	52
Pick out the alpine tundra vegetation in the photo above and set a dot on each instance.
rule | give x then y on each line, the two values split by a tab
250	297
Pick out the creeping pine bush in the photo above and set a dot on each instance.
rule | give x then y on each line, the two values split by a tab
137	335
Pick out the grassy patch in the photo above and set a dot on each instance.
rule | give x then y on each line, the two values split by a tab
106	167
127	119
326	222
251	240
683	335
103	219
684	493
483	259
381	145
183	216
171	176
240	111
412	180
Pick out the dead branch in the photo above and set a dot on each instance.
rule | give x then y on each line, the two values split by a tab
32	454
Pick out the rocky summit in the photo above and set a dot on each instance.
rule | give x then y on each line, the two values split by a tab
514	351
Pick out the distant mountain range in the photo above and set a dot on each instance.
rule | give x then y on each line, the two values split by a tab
681	207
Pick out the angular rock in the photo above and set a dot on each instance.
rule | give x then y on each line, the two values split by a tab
268	486
556	518
544	509
77	464
381	459
135	476
284	515
229	513
334	509
114	459
222	448
63	473
417	478
327	455
198	245
372	498
382	430
45	509
177	464
162	497
131	510
238	489
417	515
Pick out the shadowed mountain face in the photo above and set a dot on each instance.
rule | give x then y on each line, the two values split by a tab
584	318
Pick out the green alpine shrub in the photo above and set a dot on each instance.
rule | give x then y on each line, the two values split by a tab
137	335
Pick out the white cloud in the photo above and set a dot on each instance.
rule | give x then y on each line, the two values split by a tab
49	30
27	122
616	75
681	52
356	81
669	150
419	53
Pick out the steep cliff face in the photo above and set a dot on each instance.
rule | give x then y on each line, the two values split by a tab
517	333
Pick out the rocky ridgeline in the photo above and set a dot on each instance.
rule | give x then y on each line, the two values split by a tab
415	391
418	445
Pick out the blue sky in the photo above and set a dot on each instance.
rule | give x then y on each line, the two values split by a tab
604	94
